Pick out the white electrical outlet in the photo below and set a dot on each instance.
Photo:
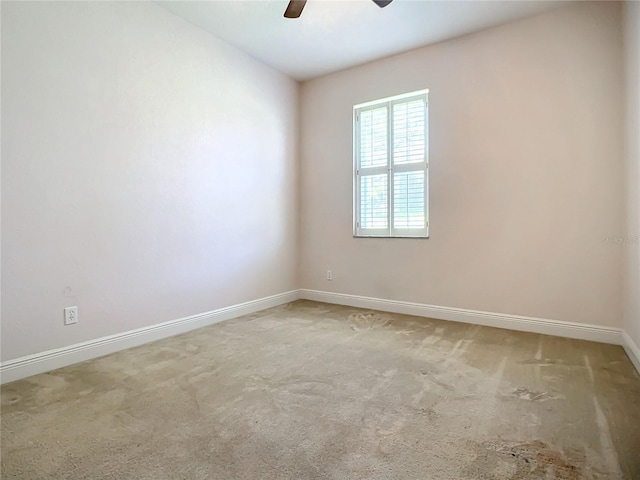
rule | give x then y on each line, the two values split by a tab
70	315
329	275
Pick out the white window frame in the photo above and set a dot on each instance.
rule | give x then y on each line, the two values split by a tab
389	169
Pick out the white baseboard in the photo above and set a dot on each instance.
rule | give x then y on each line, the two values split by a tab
633	351
500	320
61	357
52	359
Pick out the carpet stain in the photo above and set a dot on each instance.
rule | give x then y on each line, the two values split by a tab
367	321
533	460
435	380
526	394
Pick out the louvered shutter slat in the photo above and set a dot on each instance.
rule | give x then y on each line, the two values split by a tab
373	138
408	200
408	132
373	202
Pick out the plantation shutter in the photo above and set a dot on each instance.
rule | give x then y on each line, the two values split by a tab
391	178
374	160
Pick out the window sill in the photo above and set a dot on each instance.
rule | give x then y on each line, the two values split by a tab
393	236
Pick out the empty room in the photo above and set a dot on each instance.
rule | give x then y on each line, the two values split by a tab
323	239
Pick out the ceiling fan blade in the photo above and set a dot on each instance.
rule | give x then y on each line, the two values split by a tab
294	9
382	3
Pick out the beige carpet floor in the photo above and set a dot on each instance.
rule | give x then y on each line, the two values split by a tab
316	391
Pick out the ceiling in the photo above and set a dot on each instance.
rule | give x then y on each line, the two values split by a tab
335	34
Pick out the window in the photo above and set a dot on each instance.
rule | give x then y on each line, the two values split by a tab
391	175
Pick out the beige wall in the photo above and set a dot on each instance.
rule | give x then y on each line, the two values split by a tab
632	173
526	172
149	172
